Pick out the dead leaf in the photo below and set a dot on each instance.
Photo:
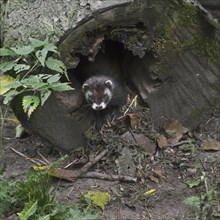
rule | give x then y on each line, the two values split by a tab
175	130
69	175
211	144
65	174
131	118
99	198
40	168
125	163
146	144
154	179
162	141
158	171
149	192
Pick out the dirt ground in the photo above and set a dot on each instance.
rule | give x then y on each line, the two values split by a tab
157	165
165	168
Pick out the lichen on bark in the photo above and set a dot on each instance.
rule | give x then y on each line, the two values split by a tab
37	19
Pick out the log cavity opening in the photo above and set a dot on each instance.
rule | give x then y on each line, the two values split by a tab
112	56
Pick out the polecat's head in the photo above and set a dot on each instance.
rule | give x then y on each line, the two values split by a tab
98	91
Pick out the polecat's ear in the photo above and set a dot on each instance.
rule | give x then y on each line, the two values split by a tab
85	87
109	84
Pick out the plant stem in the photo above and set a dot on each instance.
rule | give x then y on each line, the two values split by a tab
30	69
1	130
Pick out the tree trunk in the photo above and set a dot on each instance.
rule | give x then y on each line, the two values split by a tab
170	51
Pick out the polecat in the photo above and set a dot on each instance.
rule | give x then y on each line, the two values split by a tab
106	95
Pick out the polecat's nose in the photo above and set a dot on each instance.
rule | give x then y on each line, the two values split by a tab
98	107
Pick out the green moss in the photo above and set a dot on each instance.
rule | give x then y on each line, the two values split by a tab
206	41
188	16
199	114
199	32
203	45
196	116
174	16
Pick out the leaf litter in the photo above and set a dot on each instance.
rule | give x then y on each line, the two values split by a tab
128	154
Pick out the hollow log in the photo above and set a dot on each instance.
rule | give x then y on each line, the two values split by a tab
169	51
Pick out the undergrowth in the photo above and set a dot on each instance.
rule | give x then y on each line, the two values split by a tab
34	199
207	204
32	71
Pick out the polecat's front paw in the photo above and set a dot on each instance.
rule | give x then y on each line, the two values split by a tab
99	123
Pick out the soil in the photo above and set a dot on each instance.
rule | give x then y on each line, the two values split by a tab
165	169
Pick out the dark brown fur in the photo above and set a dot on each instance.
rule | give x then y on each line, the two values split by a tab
96	85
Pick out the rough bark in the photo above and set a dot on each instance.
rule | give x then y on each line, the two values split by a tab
171	55
173	70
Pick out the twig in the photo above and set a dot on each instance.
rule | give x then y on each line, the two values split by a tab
26	157
103	176
71	163
76	162
86	167
72	188
133	136
46	161
134	99
180	143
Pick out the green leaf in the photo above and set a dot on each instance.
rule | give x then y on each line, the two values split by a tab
61	87
46	217
21	67
74	212
19	131
9	96
23	50
28	211
15	84
33	82
41	55
38	43
54	78
6	66
30	103
47	46
51	47
56	65
6	52
5	82
44	96
99	198
193	201
193	183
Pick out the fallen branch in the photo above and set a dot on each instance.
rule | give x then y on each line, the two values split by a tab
86	167
72	175
111	177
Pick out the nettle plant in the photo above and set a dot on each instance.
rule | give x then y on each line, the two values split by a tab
33	71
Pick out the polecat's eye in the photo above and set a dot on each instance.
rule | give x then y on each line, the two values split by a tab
90	97
105	96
